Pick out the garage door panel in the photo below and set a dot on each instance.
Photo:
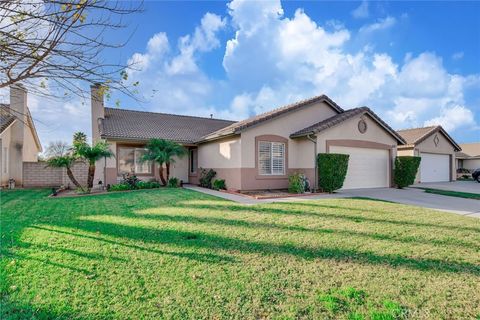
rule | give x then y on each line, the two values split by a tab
434	167
367	168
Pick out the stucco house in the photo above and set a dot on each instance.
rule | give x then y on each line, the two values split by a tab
18	137
469	157
437	150
257	153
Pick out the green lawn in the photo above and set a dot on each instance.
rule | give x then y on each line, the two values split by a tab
178	254
449	193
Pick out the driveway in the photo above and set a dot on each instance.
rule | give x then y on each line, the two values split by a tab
459	186
418	197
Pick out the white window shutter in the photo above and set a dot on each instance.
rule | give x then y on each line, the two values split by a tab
264	157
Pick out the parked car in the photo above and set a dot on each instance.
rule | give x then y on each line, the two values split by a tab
476	175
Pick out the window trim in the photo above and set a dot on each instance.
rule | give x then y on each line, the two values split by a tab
271	138
133	146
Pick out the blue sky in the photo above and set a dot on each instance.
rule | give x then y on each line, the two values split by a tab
414	63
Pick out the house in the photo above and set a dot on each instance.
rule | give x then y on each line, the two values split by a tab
437	150
469	157
18	137
257	153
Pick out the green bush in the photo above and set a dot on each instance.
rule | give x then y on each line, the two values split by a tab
173	182
147	185
296	183
332	169
119	187
219	184
206	177
406	168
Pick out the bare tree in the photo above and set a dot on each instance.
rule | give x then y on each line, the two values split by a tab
53	46
57	149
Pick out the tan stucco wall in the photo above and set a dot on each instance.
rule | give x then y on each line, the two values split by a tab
349	130
444	147
223	156
284	126
224	153
471	164
30	148
179	169
5	137
406	152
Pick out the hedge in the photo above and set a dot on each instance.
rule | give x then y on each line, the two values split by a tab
332	169
406	168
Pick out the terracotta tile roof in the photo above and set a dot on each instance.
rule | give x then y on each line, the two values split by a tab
5	117
416	135
140	125
341	117
241	125
471	149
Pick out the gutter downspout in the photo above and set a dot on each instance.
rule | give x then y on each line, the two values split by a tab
309	137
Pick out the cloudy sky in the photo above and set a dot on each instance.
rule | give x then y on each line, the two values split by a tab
414	63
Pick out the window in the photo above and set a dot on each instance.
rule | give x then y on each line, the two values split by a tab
193	160
130	161
271	158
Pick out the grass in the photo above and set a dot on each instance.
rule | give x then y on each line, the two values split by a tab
177	254
449	193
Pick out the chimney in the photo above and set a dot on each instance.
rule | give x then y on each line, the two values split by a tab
18	108
98	110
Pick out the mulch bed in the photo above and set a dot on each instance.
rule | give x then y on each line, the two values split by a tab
271	194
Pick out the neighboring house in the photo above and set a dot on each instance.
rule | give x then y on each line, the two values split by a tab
437	150
18	137
256	153
469	157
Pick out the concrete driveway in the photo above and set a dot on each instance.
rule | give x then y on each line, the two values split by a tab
460	186
418	197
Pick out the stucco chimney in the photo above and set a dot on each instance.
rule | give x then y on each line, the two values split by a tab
18	108
98	110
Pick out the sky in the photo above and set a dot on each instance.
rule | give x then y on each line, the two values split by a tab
413	63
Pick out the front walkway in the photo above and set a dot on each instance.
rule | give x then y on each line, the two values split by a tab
410	196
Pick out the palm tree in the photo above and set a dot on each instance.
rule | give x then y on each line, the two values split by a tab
65	161
79	138
163	152
92	154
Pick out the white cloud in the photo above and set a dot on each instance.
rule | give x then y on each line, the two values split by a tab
453	117
361	11
458	55
272	60
381	24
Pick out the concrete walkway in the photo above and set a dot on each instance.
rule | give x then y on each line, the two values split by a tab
410	196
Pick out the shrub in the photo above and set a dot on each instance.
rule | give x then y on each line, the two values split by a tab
206	177
147	184
296	183
130	179
332	169
406	168
219	184
119	187
173	182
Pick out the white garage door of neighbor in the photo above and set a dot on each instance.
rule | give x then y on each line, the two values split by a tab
434	167
367	168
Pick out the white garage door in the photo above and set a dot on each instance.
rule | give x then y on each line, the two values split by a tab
434	167
367	168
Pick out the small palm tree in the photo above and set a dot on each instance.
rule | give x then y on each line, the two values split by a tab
65	161
92	154
79	138
163	152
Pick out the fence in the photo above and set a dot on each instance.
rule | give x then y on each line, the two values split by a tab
37	174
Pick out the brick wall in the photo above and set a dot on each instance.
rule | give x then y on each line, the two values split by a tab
37	174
